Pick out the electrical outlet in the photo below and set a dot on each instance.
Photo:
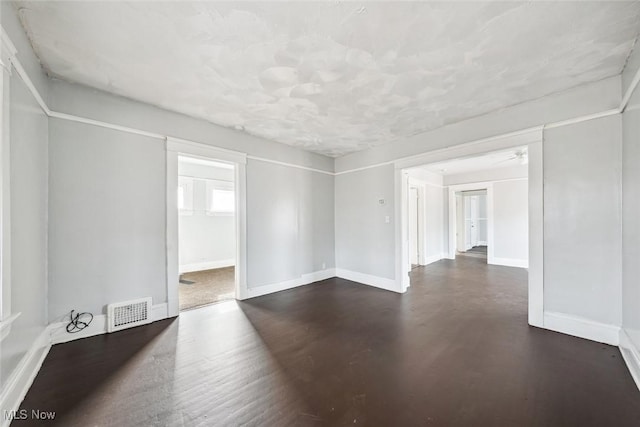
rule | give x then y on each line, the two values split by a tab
324	265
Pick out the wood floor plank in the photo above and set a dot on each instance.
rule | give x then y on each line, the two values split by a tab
455	350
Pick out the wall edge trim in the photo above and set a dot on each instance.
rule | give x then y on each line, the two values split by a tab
304	279
509	262
22	377
582	328
631	355
369	280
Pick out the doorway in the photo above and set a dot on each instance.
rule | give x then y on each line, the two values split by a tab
414	226
532	159
472	223
222	198
206	231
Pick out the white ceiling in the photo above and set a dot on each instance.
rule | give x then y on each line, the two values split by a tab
493	160
337	76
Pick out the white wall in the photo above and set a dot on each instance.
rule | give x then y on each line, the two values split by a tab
483	223
582	220
364	241
290	215
510	211
106	216
432	210
205	241
511	222
631	219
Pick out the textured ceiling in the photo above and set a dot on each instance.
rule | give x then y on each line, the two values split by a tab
332	77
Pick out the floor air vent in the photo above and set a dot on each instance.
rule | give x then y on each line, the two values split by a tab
127	314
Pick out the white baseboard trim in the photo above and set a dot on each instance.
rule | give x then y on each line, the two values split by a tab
23	375
631	356
98	326
305	279
509	262
582	328
367	279
482	243
208	265
59	334
160	312
432	259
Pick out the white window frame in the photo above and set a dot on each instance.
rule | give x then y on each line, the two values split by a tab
210	187
187	185
7	53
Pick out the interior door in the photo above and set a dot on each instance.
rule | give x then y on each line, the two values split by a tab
460	224
414	252
467	222
475	209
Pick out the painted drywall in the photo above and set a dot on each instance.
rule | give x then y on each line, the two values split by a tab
364	241
511	220
582	100
106	216
290	223
631	218
205	241
483	223
582	220
29	170
432	213
333	77
94	104
510	209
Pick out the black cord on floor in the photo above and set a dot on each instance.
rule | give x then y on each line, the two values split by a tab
79	321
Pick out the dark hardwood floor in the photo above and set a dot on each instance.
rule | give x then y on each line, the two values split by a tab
455	350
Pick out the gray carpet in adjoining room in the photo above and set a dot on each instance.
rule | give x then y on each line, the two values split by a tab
208	286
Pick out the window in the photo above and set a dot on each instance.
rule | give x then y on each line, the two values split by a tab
221	198
185	195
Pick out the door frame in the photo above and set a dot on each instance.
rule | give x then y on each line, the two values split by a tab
413	183
176	147
453	223
533	139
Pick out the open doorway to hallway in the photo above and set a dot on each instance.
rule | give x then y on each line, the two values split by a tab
473	207
206	232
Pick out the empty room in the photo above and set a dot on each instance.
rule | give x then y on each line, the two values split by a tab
320	213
